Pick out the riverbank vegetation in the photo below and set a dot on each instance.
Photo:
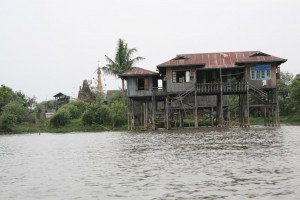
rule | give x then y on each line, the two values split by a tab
20	113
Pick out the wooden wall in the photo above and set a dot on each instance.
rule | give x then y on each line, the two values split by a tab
132	89
179	87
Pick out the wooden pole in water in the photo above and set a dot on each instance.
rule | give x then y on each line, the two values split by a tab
196	109
132	120
128	114
153	110
167	126
212	116
248	107
277	108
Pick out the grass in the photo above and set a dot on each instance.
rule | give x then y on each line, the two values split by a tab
77	126
74	126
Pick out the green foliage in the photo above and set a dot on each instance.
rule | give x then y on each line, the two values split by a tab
283	87
118	113
44	106
60	118
123	60
6	95
117	104
6	122
13	113
75	108
295	94
96	113
117	97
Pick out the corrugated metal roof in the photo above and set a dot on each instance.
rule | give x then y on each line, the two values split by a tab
136	71
215	60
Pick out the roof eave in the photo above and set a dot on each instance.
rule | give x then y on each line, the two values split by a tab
261	61
182	65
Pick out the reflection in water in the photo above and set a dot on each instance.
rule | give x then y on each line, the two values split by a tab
181	164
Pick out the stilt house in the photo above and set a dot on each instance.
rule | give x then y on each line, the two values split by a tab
198	86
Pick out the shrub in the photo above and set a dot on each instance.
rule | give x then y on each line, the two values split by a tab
117	97
60	118
87	117
75	108
6	122
96	113
17	110
118	113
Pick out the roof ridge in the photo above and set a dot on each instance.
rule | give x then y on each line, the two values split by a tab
217	52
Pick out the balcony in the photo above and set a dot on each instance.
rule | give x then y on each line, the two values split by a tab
215	88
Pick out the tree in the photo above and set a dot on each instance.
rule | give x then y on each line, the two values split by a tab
283	85
6	95
295	93
123	61
13	113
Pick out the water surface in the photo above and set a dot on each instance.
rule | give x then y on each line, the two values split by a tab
183	164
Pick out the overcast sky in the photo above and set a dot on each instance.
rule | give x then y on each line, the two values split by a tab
51	46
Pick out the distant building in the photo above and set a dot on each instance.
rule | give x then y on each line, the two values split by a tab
61	99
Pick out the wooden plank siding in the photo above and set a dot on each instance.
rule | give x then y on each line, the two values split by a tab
178	87
132	88
270	83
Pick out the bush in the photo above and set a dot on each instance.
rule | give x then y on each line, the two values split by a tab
96	113
74	111
87	117
17	110
118	113
75	108
7	122
117	97
61	118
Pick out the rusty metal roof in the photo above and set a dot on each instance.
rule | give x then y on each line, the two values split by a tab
221	59
136	71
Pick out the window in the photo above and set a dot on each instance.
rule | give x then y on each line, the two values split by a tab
260	72
143	84
180	76
268	74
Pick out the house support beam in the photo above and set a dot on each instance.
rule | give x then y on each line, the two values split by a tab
153	111
212	116
219	110
196	111
167	120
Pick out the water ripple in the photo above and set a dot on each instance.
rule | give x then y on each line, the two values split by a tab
179	164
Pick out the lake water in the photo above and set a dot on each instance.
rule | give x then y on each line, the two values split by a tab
189	164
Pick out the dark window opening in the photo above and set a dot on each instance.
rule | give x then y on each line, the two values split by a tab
143	84
180	76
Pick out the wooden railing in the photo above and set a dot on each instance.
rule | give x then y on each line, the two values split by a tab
226	87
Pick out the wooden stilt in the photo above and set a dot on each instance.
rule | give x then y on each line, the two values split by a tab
167	122
128	114
212	116
132	116
196	111
153	111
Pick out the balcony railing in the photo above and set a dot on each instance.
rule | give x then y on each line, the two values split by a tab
226	87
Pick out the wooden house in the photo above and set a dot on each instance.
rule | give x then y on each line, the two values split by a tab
61	99
192	83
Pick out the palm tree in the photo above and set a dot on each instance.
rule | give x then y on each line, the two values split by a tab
123	60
